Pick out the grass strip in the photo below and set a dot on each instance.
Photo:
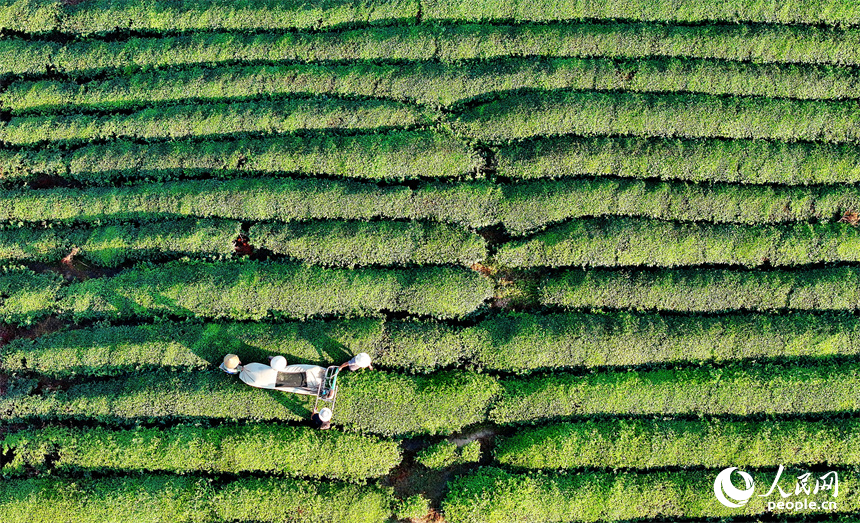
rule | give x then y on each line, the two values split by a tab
211	119
370	401
432	83
491	494
646	444
347	244
398	155
619	242
151	498
180	449
702	160
113	245
662	115
737	390
705	290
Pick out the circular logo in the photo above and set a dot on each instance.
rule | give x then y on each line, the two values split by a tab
727	493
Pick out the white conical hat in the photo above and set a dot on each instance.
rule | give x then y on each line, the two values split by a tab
325	414
362	359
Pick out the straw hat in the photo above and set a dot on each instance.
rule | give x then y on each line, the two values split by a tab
231	361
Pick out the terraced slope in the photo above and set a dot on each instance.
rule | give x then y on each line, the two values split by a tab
598	251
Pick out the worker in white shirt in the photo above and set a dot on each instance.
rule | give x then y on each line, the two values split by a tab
255	374
359	361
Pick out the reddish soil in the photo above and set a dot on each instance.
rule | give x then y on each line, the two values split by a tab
8	333
851	218
242	246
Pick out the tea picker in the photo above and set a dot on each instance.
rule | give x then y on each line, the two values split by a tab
311	380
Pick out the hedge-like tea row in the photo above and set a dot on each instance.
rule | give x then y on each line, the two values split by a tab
26	296
705	290
114	350
105	16
370	401
252	291
445	402
739	390
266	448
736	42
743	161
633	242
490	495
182	499
524	343
644	444
665	115
346	244
100	16
398	155
512	342
212	119
522	207
836	12
245	290
111	246
433	83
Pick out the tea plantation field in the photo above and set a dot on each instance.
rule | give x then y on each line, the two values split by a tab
599	251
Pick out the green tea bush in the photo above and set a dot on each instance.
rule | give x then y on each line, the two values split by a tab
346	244
440	403
521	207
743	161
267	448
447	453
526	207
256	290
705	290
104	16
640	242
113	350
510	342
394	156
26	296
836	12
523	343
431	83
152	498
369	401
758	43
737	390
211	119
644	444
492	494
414	507
665	115
112	245
160	395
